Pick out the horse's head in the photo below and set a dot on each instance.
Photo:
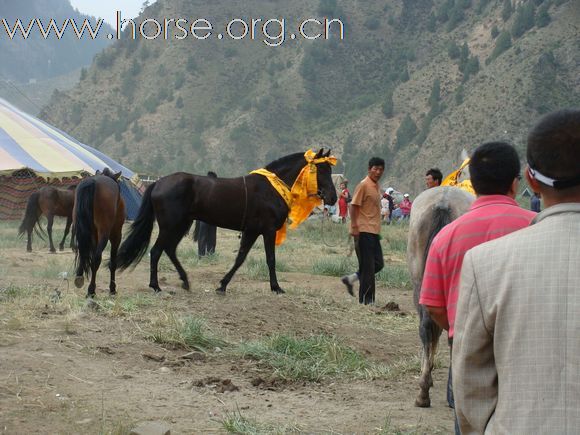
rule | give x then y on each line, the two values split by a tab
326	189
108	173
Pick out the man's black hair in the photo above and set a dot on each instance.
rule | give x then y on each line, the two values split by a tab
554	147
211	174
376	161
493	168
436	174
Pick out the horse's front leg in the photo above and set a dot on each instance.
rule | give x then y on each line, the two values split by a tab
270	248
50	218
66	230
248	240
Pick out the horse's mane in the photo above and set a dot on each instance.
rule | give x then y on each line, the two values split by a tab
283	161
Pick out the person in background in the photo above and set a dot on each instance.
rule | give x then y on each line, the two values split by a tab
205	234
405	207
365	227
388	195
516	352
433	178
535	204
495	174
385	208
343	201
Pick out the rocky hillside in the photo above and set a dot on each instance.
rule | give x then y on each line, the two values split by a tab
413	81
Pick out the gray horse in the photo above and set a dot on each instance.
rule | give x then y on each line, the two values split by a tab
432	210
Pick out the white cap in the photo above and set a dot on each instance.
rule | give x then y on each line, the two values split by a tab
390	190
406	195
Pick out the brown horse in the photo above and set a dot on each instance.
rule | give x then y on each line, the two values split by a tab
99	213
248	204
432	210
50	202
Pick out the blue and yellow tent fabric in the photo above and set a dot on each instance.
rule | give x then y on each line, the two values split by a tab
34	153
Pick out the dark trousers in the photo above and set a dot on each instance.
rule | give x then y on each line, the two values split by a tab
450	399
206	239
370	261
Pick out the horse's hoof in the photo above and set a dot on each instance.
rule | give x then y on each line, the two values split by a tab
278	291
220	291
79	281
422	403
53	251
28	249
113	293
185	286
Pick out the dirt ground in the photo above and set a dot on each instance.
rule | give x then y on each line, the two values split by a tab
67	367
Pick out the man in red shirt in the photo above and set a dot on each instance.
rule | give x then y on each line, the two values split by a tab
495	175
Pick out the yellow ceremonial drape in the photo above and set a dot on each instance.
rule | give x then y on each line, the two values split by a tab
453	179
303	196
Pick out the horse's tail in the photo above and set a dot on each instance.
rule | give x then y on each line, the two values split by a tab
441	217
31	217
136	244
196	231
83	227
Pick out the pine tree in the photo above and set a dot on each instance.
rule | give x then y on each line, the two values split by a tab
435	93
388	106
406	132
543	18
507	10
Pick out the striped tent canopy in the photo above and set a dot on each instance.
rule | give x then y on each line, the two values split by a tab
34	154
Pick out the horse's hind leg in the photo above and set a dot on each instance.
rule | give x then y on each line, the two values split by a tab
429	333
95	266
270	248
172	254
155	255
115	241
29	241
66	230
248	240
50	218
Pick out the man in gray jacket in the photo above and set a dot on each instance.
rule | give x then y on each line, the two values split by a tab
516	350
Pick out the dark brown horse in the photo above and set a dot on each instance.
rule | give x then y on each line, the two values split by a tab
99	213
248	204
50	202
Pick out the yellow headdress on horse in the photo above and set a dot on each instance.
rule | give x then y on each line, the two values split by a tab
303	196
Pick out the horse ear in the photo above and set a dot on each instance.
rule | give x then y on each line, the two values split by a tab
327	153
319	153
98	172
117	175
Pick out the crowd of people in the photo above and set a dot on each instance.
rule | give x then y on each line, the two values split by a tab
502	280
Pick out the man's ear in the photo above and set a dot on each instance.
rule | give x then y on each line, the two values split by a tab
534	184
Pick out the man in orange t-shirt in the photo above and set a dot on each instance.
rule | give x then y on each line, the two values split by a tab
365	227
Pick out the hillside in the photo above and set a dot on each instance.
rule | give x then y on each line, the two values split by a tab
412	81
36	58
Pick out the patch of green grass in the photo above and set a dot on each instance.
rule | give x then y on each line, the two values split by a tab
187	333
324	231
53	268
123	305
334	265
235	422
257	268
11	291
395	275
311	359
